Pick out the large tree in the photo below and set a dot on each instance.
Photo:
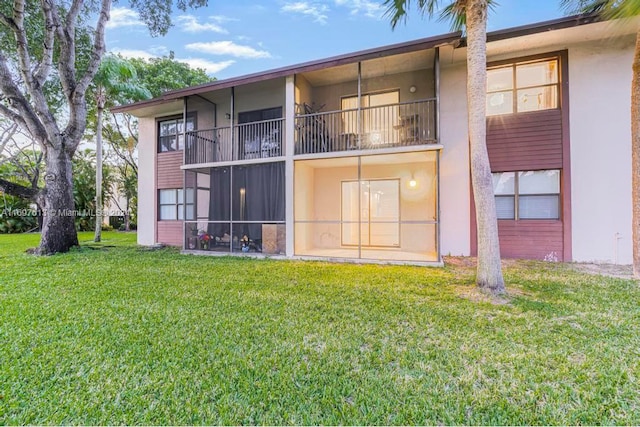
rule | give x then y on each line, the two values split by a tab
621	9
472	15
40	47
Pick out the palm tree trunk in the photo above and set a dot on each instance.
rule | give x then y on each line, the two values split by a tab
635	156
98	232
489	274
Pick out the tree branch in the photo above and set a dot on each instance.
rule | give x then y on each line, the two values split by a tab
24	116
44	67
128	159
22	43
18	190
77	102
98	47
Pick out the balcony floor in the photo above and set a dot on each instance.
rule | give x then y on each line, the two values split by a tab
373	254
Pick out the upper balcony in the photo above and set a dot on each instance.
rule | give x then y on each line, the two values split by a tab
255	140
392	125
235	124
378	103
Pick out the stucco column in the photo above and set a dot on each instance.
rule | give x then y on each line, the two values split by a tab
289	123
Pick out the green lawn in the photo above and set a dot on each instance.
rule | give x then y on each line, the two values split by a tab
124	335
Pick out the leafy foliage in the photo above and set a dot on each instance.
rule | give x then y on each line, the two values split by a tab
41	44
84	188
120	131
16	215
163	74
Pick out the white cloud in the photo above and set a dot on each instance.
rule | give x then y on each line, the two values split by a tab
133	53
190	24
123	17
228	48
159	50
208	66
317	11
368	8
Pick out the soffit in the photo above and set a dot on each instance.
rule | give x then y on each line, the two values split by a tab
373	68
604	33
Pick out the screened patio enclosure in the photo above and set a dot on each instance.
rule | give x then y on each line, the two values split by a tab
237	209
377	207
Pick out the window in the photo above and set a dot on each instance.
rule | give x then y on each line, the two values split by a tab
170	133
379	115
172	202
522	87
527	195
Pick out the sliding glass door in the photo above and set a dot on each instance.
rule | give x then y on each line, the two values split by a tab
375	206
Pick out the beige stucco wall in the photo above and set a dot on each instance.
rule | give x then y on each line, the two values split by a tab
304	91
259	96
331	95
318	198
600	91
146	181
455	195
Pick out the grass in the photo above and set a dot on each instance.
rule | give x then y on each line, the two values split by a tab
122	335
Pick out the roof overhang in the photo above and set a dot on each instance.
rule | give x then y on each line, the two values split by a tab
144	108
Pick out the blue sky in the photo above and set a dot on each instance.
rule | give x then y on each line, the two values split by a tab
244	36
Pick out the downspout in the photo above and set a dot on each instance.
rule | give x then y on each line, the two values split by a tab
231	119
359	126
231	168
359	106
436	67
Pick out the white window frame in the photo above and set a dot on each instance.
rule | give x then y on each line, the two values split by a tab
517	194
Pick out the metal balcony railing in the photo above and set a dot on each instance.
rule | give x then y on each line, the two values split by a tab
245	141
393	125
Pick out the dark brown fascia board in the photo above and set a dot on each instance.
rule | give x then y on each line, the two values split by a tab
395	49
540	27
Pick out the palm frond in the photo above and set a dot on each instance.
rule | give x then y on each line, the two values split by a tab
454	12
610	9
397	10
119	79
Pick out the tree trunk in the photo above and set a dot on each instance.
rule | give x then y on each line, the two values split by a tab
98	233
127	217
489	273
58	222
635	156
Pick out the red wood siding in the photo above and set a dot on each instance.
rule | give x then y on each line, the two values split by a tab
170	232
531	239
521	142
525	141
168	169
169	175
533	141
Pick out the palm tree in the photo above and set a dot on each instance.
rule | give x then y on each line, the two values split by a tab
472	15
116	80
621	9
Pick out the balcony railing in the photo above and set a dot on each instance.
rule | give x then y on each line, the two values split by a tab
245	141
402	124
